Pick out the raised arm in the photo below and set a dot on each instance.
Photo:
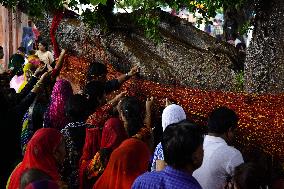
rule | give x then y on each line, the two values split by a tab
122	78
147	119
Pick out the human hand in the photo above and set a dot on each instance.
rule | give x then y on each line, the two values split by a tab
120	95
40	70
168	102
45	77
149	103
63	51
117	98
134	70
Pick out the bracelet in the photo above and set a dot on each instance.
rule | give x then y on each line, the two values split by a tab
127	75
38	85
35	76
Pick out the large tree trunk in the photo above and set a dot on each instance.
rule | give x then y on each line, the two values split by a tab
264	66
185	56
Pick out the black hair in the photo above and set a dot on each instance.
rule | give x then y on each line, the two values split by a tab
241	46
30	23
221	120
131	110
32	52
249	176
179	142
94	90
31	175
77	108
96	69
45	44
22	49
1	48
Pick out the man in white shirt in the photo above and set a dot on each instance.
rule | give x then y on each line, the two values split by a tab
219	159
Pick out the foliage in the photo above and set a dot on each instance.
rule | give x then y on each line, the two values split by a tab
208	8
240	81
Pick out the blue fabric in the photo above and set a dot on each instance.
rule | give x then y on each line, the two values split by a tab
27	39
158	155
169	178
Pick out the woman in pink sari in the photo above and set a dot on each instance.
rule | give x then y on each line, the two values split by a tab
55	116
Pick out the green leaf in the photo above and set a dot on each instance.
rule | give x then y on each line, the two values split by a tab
96	2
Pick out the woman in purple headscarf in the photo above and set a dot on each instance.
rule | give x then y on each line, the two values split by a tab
55	116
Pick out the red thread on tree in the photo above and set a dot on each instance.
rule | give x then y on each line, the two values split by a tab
58	16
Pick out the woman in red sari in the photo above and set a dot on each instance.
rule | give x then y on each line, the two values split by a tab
96	94
45	151
131	158
112	135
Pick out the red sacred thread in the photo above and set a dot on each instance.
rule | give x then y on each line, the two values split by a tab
261	121
58	16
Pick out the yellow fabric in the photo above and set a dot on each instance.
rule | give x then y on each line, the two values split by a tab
26	68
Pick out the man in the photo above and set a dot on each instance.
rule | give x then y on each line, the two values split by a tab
17	61
220	159
183	153
98	71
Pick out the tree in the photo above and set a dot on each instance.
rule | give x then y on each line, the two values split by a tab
263	71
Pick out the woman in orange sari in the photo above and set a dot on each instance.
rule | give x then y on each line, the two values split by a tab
131	158
45	151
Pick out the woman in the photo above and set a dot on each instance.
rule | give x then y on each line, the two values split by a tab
172	114
131	158
29	69
33	119
45	151
112	136
43	54
55	116
96	97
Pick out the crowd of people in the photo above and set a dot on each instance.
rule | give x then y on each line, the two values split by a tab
59	139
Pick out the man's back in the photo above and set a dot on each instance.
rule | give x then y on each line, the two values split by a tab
169	178
218	163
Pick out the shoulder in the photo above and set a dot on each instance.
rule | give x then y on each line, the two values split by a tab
232	151
149	180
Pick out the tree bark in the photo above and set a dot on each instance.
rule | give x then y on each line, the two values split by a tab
264	66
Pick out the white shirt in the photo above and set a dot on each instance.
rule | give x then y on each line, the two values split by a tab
219	161
237	41
46	56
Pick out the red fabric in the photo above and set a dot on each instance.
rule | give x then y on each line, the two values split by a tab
36	33
100	116
126	163
39	155
55	23
113	134
91	147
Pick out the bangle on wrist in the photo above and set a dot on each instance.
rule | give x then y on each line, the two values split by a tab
38	85
35	76
127	75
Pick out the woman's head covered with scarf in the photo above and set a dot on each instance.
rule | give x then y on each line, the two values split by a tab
55	116
45	151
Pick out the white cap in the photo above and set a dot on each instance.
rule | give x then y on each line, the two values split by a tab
172	114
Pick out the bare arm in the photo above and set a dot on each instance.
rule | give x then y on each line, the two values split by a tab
147	119
122	78
60	60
